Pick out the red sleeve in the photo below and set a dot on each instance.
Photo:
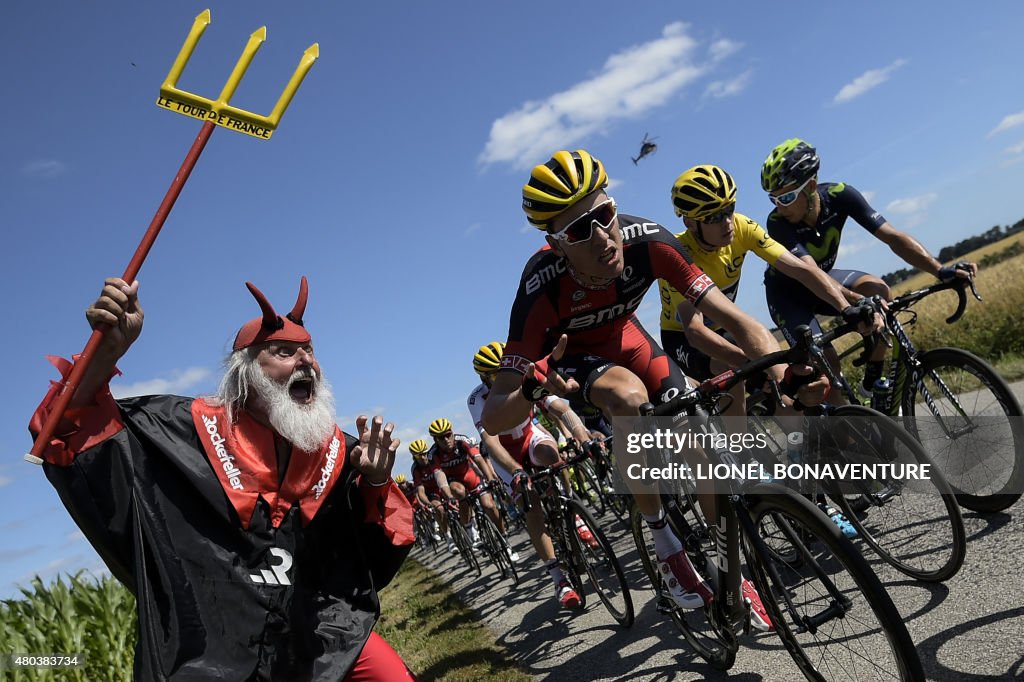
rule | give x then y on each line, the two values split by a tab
387	507
81	428
673	265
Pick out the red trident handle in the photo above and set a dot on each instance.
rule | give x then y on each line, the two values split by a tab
130	273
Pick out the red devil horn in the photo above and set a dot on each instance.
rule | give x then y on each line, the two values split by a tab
270	317
300	303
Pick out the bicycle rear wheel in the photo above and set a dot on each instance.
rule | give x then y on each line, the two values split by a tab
914	525
831	611
970	423
600	563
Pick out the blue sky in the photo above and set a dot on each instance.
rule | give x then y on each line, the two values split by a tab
394	180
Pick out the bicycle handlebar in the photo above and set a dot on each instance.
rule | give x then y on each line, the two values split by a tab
806	350
960	284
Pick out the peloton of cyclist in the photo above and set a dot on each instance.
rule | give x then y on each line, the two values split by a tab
574	312
808	220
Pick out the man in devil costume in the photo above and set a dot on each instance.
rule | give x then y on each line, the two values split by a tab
252	531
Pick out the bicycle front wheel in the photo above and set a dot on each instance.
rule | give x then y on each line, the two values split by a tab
463	543
831	611
601	565
498	549
914	525
970	423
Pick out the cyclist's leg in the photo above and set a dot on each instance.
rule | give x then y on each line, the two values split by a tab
869	285
791	305
646	374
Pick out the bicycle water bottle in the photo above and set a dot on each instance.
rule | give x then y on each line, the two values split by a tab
795	447
880	393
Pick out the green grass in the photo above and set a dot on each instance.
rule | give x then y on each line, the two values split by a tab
436	635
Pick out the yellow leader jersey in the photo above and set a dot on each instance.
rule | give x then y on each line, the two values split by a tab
723	265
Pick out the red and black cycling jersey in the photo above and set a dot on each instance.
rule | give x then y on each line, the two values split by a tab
550	302
423	475
458	458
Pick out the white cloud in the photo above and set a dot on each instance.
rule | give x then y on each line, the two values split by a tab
866	81
911	204
630	83
471	229
1015	149
869	195
179	383
722	48
1011	121
44	168
730	87
4	480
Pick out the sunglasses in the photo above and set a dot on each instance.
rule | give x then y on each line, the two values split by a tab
790	196
720	217
442	436
582	229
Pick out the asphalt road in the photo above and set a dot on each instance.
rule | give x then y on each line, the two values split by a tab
967	629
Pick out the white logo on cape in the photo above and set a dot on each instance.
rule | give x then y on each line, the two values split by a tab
227	461
276	574
328	469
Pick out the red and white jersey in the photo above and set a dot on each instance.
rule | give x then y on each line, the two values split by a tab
522	432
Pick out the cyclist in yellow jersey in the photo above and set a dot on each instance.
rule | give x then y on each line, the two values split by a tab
718	240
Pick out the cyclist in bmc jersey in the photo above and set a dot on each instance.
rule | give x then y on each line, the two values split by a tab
459	469
574	312
719	239
427	492
808	220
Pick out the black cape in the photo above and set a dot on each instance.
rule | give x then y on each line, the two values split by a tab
150	502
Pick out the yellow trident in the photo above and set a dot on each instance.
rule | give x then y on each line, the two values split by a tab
212	113
219	111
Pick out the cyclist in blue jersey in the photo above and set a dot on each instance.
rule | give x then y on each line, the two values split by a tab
808	220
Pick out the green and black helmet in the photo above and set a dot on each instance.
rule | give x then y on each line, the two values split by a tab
790	163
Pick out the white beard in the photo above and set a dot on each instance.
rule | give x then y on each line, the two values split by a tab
307	427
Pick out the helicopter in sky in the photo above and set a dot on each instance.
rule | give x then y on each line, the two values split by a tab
647	147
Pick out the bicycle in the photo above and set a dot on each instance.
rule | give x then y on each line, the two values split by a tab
820	606
425	530
915	527
596	559
493	543
588	486
957	406
461	538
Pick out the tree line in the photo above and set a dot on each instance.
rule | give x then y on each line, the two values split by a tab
950	253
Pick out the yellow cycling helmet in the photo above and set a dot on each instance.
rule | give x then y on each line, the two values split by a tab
419	447
439	426
400	479
703	191
558	184
488	358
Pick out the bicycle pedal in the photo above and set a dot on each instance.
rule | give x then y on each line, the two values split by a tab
666	606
